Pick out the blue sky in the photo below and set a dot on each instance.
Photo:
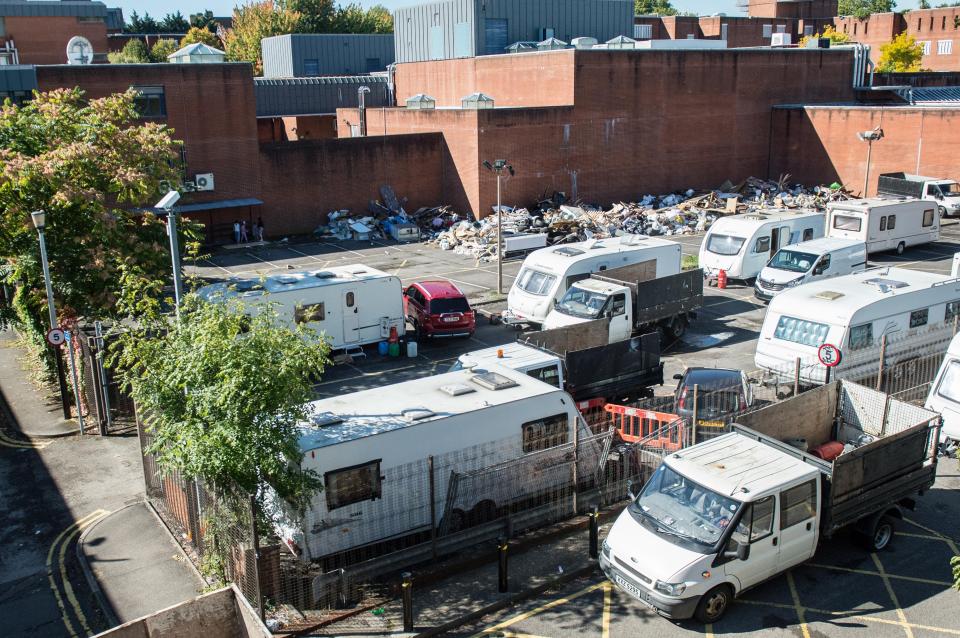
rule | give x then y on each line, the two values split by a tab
157	8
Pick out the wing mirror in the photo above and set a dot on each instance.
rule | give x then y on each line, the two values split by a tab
677	376
630	491
741	553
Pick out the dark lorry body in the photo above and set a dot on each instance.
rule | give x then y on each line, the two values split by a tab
899	184
595	368
658	300
900	463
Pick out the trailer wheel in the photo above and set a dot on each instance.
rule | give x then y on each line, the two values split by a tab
882	533
714	604
900	248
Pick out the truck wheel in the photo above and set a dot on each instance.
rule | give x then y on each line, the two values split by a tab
677	328
881	535
900	248
457	522
943	212
713	605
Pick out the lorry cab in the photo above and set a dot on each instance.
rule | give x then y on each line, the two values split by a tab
714	520
945	192
809	261
944	394
591	299
741	245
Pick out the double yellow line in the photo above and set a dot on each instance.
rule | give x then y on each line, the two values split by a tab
22	444
56	565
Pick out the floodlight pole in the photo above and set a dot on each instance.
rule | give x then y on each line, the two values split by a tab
499	238
175	256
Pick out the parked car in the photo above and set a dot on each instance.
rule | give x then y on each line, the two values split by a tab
437	308
722	394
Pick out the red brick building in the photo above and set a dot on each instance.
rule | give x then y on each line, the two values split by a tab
936	30
38	31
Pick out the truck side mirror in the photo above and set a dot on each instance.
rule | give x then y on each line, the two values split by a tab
677	376
741	553
630	492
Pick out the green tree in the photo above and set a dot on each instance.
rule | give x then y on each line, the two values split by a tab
134	52
902	55
173	23
381	19
197	34
924	4
863	8
224	392
162	49
251	23
955	564
204	20
835	37
316	16
653	7
144	24
86	163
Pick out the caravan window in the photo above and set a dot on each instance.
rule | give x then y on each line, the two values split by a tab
928	218
309	313
891	222
807	234
352	484
762	246
949	387
861	336
953	309
847	222
535	282
919	318
545	433
806	333
725	244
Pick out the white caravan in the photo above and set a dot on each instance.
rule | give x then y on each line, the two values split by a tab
852	312
885	223
944	394
371	449
742	245
808	261
349	305
547	273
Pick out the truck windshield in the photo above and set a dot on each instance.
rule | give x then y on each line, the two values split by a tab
725	244
535	282
950	190
682	511
792	261
578	302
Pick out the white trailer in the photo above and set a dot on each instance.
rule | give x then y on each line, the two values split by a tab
944	394
371	450
348	305
885	223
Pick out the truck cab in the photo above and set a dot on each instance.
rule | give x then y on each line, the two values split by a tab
517	356
945	192
591	299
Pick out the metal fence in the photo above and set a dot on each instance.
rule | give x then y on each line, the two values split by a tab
109	409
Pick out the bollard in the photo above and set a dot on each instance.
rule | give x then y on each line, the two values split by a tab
594	533
406	588
502	546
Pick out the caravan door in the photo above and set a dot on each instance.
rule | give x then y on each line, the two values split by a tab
351	317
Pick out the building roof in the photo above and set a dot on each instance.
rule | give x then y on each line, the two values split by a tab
197	48
317	95
933	96
753	220
303	280
18	77
53	8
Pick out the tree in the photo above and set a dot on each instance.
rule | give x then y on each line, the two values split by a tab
133	52
162	49
653	7
902	55
197	34
223	392
316	16
204	20
381	19
86	163
251	23
835	37
146	24
955	564
923	4
863	8
174	23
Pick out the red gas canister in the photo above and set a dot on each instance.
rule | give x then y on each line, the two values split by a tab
828	451
722	279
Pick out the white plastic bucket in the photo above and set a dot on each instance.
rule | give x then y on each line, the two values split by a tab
411	349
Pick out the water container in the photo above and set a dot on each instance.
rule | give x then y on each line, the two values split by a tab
383	348
394	349
412	349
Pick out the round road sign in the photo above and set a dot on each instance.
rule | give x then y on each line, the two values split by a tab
55	337
829	355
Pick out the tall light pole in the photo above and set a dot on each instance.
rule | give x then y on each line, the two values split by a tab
40	223
168	204
498	167
869	137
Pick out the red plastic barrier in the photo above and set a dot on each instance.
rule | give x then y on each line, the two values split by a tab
656	429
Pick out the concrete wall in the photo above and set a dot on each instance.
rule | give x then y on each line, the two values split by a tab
43	39
819	144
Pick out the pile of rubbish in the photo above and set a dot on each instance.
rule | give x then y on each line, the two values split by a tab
563	221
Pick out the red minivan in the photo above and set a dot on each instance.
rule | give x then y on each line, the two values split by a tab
437	308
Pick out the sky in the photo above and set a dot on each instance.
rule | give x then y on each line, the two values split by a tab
158	8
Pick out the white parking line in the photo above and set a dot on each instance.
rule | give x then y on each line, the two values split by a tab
269	263
294	250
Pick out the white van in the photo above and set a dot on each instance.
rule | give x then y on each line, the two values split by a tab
371	450
547	273
885	223
808	261
944	394
349	305
852	312
742	245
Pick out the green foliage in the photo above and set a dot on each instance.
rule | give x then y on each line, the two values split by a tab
863	8
224	392
316	16
924	4
689	262
84	162
173	23
197	34
162	49
653	7
902	55
955	565
133	52
251	23
146	24
204	20
835	37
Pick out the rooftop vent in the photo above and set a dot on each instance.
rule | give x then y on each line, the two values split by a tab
521	47
245	285
477	101
456	389
568	251
325	274
886	284
421	102
584	43
829	295
323	419
551	44
286	281
417	414
493	381
621	42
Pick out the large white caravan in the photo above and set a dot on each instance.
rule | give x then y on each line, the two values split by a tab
944	394
885	223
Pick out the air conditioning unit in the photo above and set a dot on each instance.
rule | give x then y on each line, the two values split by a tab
203	182
780	39
545	33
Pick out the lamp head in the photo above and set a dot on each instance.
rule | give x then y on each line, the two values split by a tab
169	201
39	219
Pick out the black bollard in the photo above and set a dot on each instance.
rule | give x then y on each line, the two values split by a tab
502	546
594	533
406	588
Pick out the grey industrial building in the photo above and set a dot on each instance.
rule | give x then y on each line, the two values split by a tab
317	96
17	82
466	28
318	54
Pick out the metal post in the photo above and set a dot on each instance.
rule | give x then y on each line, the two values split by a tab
255	540
52	312
175	256
574	470
883	352
866	177
406	588
594	533
433	509
696	398
499	238
502	547
796	379
76	383
98	328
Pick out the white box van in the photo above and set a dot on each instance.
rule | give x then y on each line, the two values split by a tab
852	312
371	449
808	261
944	394
547	273
350	305
742	245
885	223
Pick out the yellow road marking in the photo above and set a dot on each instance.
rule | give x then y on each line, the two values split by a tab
946	539
63	540
929	537
797	606
867	572
850	615
540	609
708	630
607	603
402	264
893	595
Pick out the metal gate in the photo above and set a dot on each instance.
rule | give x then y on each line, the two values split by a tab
111	409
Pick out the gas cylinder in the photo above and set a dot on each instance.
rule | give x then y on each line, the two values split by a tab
722	279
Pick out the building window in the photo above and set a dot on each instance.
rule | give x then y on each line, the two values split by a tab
643	32
544	434
944	47
944	25
82	19
808	30
352	484
919	318
311	67
16	97
768	30
926	47
781	28
3	26
854	28
150	101
919	22
866	25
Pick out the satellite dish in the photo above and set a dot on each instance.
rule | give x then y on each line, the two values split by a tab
79	50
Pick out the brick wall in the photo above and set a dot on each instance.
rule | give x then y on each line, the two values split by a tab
875	30
819	144
43	40
304	181
939	31
296	127
745	32
802	9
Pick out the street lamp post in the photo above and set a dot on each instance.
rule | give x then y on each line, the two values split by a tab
168	204
40	223
498	167
869	137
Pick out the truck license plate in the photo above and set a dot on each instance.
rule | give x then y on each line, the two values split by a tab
712	424
630	588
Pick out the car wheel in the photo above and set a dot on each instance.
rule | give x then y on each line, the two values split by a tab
900	248
713	605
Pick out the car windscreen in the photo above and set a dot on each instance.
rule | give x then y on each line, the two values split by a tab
847	222
585	304
725	244
451	304
535	282
792	260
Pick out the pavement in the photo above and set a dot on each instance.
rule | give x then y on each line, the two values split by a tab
37	411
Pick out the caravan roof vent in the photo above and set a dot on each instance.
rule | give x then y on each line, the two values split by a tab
886	284
245	285
568	251
633	240
286	281
456	389
417	414
754	216
493	381
829	295
324	419
325	274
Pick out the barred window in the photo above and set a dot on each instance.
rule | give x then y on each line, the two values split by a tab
919	318
352	484
545	433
